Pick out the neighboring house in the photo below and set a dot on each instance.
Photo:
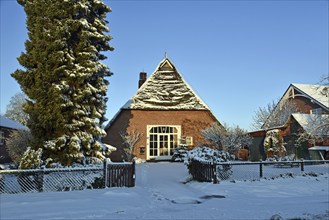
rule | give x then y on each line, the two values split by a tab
165	113
316	125
313	105
7	126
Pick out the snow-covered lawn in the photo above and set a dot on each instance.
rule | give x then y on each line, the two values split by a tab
160	193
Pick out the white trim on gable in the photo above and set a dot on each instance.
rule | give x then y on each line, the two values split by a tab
315	93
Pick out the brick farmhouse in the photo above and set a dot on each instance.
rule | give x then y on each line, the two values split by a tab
165	113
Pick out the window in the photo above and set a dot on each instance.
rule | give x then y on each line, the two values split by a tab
162	140
316	111
142	150
2	138
189	141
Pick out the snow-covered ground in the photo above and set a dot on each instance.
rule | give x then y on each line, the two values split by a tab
160	193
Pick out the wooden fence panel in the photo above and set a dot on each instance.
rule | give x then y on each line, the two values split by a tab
121	175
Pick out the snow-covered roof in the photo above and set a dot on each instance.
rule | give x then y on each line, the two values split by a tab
8	123
325	148
166	89
313	123
317	93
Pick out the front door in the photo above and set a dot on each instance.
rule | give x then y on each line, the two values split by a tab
163	145
162	141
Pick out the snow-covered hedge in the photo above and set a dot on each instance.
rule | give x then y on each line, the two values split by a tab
206	154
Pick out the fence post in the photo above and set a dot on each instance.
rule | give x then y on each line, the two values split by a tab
41	179
302	165
134	173
105	174
260	168
2	183
214	173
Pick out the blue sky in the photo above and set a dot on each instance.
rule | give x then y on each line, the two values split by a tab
237	55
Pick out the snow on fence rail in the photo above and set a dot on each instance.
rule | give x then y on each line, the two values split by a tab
211	172
67	179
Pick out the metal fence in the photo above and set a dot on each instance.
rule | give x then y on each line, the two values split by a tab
203	171
67	179
200	171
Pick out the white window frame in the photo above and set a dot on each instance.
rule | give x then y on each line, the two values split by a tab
148	128
316	111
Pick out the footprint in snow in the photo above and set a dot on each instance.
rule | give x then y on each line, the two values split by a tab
186	200
190	200
212	197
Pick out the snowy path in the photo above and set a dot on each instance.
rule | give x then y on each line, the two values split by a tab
163	185
160	194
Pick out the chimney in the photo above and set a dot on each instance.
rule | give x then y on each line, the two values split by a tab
142	79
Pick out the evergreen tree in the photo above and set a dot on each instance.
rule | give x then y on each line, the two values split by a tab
64	78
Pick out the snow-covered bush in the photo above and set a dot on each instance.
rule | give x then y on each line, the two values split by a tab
180	154
31	159
209	156
91	161
206	154
273	144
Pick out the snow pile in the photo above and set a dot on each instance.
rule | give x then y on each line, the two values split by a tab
139	160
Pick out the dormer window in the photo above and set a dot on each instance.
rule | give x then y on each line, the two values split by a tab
316	111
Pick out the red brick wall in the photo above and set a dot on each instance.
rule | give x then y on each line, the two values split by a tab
192	123
304	104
